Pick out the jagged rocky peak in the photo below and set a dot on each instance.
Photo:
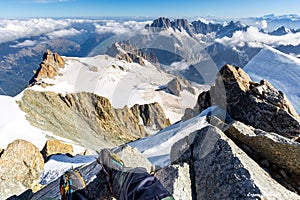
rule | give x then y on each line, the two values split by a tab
230	28
178	84
163	23
126	51
203	28
160	23
49	67
257	104
282	31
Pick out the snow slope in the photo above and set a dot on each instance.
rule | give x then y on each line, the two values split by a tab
58	164
281	70
157	148
121	82
13	125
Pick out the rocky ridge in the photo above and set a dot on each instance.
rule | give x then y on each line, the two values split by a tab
259	119
125	51
196	27
221	170
89	119
257	104
49	67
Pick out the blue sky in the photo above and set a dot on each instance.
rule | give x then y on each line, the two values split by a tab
168	8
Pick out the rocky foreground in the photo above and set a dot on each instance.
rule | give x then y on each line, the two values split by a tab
249	150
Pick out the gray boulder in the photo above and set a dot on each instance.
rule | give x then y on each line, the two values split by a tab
176	179
133	158
221	170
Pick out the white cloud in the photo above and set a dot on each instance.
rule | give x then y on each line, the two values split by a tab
11	30
64	33
26	43
264	24
119	28
255	38
206	21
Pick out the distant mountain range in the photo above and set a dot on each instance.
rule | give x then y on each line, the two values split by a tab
172	41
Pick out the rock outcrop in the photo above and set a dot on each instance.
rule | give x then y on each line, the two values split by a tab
89	119
125	51
53	147
20	168
49	67
257	104
133	158
277	149
151	115
178	84
176	179
221	170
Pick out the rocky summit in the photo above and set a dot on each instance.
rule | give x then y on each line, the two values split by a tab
49	66
257	104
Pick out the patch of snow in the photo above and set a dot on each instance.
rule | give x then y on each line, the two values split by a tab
157	148
58	164
281	70
13	125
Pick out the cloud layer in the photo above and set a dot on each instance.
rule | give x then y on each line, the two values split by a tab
253	37
64	33
119	27
11	30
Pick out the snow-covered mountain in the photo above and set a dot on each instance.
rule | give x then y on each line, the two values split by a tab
171	40
121	82
280	69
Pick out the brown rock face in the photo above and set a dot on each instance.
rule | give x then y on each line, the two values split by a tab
56	147
89	119
49	67
151	115
20	167
257	104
